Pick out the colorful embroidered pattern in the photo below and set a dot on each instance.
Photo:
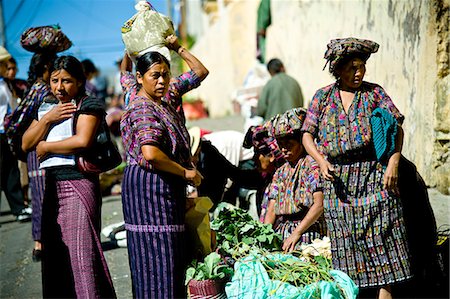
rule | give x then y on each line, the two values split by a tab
339	48
288	122
365	221
145	122
293	187
338	132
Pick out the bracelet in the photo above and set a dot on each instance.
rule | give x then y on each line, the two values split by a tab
180	49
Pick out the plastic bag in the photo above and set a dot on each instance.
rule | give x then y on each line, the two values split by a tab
250	280
146	31
197	225
45	38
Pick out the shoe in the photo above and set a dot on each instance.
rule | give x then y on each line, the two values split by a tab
24	215
37	255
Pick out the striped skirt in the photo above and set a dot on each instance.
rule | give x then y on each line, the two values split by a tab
37	186
365	224
73	264
154	211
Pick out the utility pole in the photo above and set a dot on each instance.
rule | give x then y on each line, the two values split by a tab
169	8
2	26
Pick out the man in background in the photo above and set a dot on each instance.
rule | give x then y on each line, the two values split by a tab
281	92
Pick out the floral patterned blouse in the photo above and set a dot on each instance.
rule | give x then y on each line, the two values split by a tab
338	132
292	188
147	123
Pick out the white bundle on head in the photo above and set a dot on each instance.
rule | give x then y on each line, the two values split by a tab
146	31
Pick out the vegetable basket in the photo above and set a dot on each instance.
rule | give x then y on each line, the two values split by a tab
208	289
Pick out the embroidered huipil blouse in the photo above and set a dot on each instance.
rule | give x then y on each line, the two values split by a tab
145	122
292	188
336	131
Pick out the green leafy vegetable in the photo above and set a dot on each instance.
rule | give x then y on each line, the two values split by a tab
212	268
237	233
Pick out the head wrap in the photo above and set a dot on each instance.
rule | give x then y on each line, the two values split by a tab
289	122
263	142
341	47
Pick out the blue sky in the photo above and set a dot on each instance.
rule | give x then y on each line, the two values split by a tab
93	26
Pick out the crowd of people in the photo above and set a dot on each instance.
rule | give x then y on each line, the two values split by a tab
317	171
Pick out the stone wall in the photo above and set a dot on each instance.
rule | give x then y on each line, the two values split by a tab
412	63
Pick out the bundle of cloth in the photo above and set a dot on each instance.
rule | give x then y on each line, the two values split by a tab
146	31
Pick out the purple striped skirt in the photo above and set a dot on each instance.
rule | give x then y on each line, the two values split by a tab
37	186
154	211
73	264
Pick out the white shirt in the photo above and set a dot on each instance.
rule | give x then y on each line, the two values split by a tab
6	99
229	144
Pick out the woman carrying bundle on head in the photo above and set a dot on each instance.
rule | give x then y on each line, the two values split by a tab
361	200
159	168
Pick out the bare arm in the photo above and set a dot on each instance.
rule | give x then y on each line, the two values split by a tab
162	162
326	168
390	179
85	133
315	211
39	129
270	213
194	64
126	65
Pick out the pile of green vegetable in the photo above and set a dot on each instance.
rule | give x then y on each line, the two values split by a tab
298	272
237	233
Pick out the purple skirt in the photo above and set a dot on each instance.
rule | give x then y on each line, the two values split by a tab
37	186
73	264
154	211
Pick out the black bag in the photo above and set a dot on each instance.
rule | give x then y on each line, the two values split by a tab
102	155
17	123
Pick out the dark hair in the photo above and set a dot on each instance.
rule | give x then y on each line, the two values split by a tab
148	59
344	60
88	66
274	66
12	60
296	135
73	66
40	62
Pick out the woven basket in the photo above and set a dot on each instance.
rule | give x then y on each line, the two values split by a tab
208	289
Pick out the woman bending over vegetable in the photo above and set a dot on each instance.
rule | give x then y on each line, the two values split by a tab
295	197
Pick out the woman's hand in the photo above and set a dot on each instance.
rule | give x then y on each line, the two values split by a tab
327	170
60	112
126	65
172	43
390	179
291	241
41	150
193	176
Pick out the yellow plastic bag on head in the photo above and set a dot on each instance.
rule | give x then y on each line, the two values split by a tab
146	31
197	225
